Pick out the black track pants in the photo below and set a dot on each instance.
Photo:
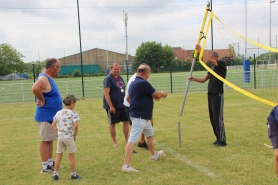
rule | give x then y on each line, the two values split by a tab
215	106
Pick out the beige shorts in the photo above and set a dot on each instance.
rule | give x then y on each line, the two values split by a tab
66	143
46	131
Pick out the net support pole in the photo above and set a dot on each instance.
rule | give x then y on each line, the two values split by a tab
179	129
254	71
195	56
33	66
192	67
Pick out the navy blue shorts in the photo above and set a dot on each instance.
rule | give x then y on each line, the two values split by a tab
120	116
273	133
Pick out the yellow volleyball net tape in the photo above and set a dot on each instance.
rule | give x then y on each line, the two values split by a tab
235	87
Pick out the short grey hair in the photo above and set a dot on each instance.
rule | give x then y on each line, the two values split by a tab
143	68
214	54
50	62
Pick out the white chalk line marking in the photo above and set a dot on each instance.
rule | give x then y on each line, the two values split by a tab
183	158
267	145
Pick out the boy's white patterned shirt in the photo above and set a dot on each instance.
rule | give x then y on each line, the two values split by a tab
64	122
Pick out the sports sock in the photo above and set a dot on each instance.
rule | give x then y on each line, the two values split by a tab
44	165
50	162
73	173
56	173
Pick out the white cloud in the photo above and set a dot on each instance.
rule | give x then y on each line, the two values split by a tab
42	29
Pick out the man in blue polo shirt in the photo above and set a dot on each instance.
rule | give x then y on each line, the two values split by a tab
141	95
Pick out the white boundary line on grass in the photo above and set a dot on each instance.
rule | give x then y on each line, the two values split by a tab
268	146
183	158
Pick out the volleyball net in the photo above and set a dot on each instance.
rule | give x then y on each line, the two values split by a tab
253	67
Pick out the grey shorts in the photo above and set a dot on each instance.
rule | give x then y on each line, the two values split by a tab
66	143
46	131
140	126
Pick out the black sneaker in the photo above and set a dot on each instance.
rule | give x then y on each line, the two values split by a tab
47	170
215	142
142	145
221	143
75	177
55	177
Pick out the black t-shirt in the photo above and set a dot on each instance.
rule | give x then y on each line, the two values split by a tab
215	85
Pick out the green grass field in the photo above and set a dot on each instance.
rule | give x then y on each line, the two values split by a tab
246	160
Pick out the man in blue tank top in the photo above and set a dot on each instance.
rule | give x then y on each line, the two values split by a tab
49	102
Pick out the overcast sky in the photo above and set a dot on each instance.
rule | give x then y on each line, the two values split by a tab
41	29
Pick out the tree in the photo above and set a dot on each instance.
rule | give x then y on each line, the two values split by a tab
154	54
76	73
168	55
10	60
38	67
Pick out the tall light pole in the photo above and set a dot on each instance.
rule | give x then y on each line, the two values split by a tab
245	29
80	49
270	28
125	17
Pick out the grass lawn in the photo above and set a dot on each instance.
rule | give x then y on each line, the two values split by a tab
246	160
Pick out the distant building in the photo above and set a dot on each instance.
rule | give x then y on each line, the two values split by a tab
94	61
183	54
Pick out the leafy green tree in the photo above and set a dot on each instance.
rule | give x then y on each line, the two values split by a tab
168	55
38	67
10	60
154	54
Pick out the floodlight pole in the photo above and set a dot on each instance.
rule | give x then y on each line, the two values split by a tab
270	28
80	50
125	17
211	27
245	29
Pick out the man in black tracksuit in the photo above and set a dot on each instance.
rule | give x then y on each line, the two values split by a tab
215	95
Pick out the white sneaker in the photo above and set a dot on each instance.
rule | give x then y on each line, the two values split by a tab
157	155
129	169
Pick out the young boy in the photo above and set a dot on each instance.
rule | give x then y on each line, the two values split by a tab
65	124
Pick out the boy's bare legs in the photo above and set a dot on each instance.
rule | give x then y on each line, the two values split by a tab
72	162
72	167
58	160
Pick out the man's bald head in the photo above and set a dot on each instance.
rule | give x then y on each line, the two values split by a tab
143	68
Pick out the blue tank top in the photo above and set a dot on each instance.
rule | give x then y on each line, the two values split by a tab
53	103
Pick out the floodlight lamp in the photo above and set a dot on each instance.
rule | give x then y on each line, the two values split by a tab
125	16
